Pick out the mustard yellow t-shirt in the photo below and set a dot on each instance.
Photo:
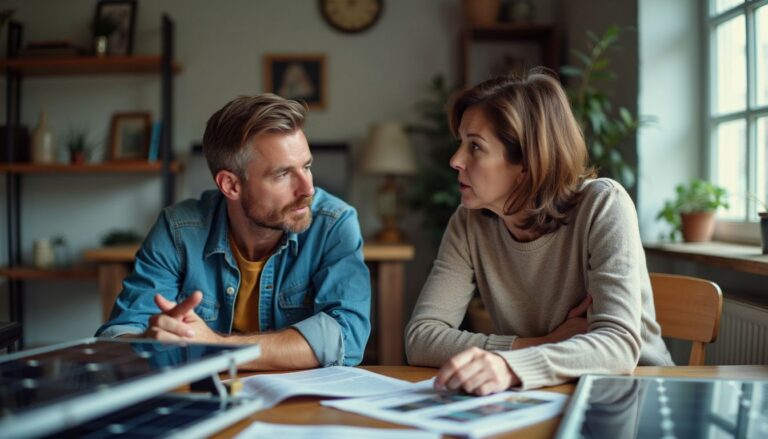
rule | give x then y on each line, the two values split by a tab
247	303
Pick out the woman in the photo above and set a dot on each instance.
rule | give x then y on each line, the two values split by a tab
554	254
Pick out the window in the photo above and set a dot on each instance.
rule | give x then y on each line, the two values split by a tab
738	104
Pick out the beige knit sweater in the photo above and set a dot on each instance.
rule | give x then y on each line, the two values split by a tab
528	288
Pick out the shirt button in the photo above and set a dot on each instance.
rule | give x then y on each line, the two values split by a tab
230	291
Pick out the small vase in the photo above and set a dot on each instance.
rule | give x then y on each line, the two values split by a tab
101	46
43	146
42	254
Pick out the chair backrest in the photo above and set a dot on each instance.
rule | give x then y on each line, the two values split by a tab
688	308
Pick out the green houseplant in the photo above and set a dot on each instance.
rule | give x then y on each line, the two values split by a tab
606	131
692	211
435	191
78	145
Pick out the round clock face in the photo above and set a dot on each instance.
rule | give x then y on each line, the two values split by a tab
351	15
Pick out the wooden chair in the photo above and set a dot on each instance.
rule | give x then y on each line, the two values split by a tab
688	308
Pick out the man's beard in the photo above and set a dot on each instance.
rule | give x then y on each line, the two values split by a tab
284	220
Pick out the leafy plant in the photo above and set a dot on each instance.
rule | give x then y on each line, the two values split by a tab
698	196
78	144
120	237
77	140
606	131
436	191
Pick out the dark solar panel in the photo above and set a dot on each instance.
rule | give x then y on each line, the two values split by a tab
46	390
161	416
645	407
51	376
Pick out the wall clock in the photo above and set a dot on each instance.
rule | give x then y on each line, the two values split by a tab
351	16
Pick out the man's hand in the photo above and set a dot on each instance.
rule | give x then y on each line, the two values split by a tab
476	371
179	322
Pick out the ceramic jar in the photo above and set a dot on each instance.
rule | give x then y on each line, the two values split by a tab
43	146
42	254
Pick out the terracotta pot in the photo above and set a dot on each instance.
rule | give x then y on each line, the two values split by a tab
697	226
481	12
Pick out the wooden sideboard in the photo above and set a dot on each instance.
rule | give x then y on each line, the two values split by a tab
387	260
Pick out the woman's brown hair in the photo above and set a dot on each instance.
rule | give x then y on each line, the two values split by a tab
533	119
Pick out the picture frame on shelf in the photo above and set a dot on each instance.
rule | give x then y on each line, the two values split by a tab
122	13
298	77
129	136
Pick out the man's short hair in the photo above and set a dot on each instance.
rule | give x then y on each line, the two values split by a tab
229	130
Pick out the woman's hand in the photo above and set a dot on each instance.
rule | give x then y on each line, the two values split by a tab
575	322
476	371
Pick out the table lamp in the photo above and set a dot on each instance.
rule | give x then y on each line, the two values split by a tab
388	152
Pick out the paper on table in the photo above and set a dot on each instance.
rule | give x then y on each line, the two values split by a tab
338	381
261	429
457	413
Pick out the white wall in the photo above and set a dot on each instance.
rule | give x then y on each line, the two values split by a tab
669	151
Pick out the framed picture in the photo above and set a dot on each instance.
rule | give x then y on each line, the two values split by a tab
129	134
298	77
119	17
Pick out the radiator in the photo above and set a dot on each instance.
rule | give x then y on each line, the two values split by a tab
743	335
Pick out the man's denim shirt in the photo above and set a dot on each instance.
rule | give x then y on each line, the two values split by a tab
315	282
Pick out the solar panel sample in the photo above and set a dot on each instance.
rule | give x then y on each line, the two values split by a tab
46	390
182	415
655	407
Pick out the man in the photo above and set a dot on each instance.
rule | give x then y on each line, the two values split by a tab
266	259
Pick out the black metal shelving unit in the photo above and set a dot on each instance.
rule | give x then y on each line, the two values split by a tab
14	69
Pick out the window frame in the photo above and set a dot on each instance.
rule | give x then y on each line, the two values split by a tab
747	228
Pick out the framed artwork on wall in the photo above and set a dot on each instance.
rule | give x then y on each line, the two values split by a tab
298	77
117	19
129	134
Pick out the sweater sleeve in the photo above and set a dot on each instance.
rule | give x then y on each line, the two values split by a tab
613	342
432	336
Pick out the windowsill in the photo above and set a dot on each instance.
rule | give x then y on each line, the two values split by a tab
738	257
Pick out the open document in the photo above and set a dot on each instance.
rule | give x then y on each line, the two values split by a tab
457	413
261	429
337	381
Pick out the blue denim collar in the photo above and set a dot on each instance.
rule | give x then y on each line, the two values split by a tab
219	243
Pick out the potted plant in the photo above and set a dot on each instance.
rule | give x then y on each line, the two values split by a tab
607	130
78	146
692	212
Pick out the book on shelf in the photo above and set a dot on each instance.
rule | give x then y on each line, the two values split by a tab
50	48
154	141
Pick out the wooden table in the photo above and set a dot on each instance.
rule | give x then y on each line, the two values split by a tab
388	260
308	411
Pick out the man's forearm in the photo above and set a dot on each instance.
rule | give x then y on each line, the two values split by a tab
282	350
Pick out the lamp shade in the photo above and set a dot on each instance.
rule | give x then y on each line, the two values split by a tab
388	151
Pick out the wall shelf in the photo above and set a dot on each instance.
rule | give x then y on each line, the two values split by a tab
514	38
66	66
738	257
90	168
32	273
